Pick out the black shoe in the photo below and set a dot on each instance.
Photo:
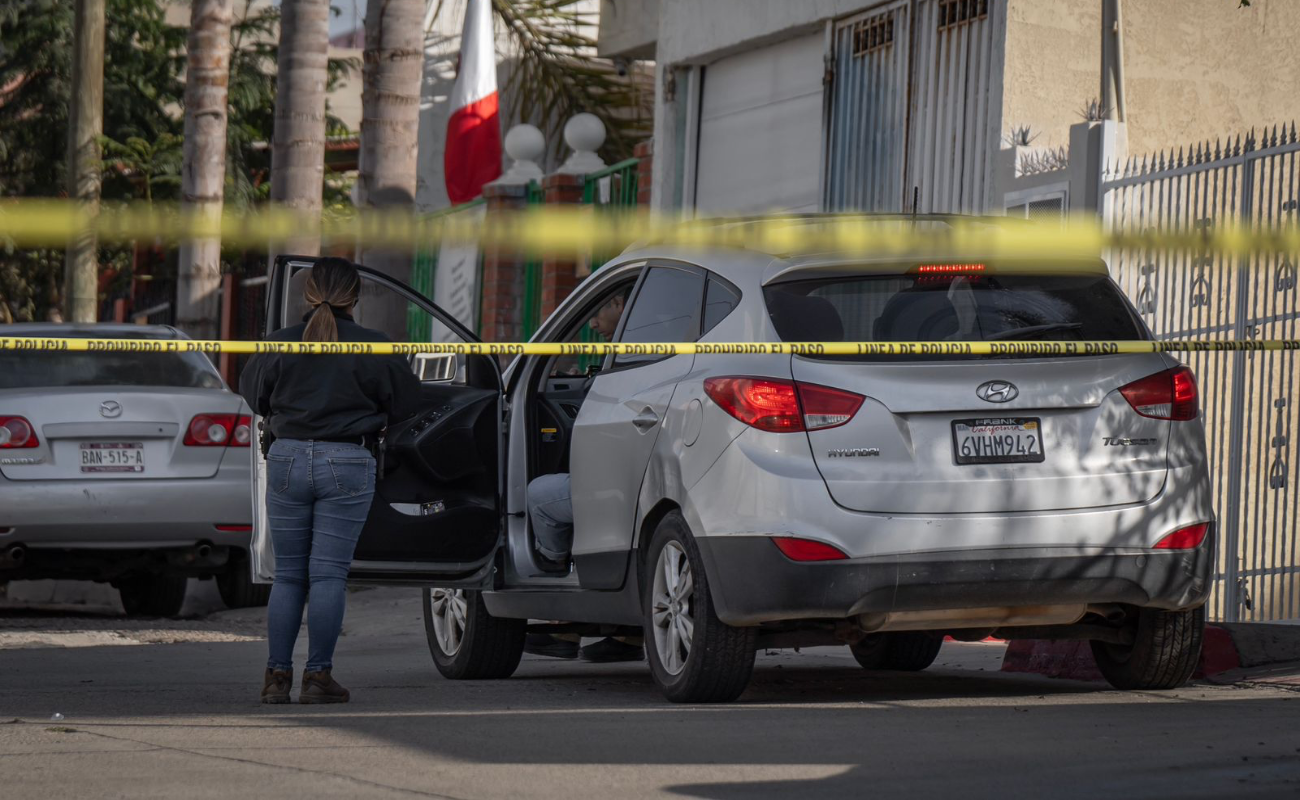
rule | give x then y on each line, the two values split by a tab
544	644
550	565
608	651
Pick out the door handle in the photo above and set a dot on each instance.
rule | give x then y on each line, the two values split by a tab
646	420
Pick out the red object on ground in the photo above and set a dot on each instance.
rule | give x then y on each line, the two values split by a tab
1074	661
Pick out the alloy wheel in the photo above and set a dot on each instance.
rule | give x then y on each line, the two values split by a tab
450	611
673	608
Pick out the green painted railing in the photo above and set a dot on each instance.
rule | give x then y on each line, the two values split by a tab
423	269
530	317
615	185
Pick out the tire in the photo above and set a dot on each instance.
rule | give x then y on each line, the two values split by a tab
1163	655
153	595
904	651
477	646
237	588
694	656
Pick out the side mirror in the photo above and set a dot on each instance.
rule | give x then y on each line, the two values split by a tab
436	367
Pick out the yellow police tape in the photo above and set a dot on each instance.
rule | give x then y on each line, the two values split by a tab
584	229
40	344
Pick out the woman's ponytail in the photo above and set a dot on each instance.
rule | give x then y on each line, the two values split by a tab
333	285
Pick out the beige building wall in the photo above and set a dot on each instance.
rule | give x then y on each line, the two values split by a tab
1194	69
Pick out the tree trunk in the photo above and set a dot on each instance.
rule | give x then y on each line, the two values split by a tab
81	268
298	143
203	178
390	122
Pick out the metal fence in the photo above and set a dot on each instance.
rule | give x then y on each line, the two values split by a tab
424	270
1250	401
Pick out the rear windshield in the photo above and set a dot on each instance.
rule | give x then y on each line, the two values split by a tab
941	308
29	370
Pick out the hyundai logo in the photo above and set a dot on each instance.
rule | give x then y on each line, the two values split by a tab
997	391
110	409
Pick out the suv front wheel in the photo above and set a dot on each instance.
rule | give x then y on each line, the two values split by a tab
694	656
1164	653
468	643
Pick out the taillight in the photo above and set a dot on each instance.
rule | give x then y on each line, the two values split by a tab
1185	538
807	549
219	430
16	433
1171	394
781	406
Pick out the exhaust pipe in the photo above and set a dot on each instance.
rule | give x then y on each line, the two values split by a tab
13	556
203	551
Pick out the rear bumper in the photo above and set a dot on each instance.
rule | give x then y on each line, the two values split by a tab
752	582
127	514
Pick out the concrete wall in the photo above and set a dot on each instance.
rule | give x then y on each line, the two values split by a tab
1194	69
628	28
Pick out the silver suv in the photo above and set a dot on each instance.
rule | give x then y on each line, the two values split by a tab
727	502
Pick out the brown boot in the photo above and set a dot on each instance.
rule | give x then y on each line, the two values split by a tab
276	686
320	687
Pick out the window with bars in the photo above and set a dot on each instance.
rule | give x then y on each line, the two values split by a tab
870	35
953	13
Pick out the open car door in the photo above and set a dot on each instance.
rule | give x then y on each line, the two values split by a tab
436	519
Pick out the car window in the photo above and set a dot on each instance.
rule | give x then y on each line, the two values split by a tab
720	300
28	370
597	325
943	308
666	309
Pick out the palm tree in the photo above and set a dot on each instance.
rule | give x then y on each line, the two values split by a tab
390	122
298	142
203	176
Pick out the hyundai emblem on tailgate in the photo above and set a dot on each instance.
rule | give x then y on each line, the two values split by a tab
997	391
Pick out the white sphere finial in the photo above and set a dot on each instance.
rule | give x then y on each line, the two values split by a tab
584	134
525	145
525	142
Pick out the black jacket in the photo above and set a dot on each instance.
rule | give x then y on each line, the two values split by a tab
329	397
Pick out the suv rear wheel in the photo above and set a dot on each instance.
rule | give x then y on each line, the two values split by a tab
694	656
1164	653
468	643
153	595
906	651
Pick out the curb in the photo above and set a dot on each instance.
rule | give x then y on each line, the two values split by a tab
1229	647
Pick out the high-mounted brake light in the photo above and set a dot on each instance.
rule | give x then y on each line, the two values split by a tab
1171	394
16	433
1185	538
779	406
807	549
219	430
950	269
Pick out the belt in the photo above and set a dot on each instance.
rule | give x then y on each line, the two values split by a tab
367	441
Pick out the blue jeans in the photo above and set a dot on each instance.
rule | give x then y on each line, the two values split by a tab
317	497
551	507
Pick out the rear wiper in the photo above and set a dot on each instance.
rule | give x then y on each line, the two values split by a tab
1030	331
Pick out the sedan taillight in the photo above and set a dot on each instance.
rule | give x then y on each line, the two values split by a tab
16	433
219	430
1171	394
780	406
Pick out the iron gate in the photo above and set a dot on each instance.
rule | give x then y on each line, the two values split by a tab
1249	400
912	106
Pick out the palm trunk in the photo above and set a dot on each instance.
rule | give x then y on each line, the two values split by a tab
203	176
390	121
298	144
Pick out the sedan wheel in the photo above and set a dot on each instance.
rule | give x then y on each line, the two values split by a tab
673	608
466	642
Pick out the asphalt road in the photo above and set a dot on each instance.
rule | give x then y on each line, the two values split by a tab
169	709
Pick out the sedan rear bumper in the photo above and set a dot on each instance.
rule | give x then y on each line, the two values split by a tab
128	514
751	581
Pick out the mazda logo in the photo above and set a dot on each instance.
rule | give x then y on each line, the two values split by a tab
110	409
997	391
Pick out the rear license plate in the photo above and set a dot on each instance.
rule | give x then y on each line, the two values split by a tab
997	440
112	457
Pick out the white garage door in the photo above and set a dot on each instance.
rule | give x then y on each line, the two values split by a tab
761	130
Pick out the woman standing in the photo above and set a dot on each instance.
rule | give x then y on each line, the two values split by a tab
326	413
